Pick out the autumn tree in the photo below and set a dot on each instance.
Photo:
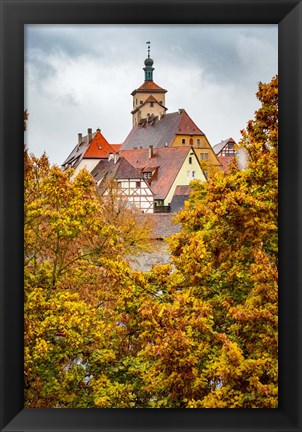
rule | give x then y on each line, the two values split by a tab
135	228
80	298
225	258
200	333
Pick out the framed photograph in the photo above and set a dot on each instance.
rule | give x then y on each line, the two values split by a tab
16	16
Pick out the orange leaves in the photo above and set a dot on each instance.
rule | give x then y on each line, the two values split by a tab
202	333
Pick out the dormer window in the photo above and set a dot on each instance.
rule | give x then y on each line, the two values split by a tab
148	175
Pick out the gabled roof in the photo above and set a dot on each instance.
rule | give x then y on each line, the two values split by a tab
78	152
97	148
166	161
160	132
148	100
218	147
122	169
149	87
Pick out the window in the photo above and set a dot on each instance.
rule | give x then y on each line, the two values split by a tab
204	156
190	160
193	174
198	141
148	175
151	104
161	102
138	184
141	102
183	141
191	141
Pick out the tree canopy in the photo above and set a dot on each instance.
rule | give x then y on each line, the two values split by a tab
201	332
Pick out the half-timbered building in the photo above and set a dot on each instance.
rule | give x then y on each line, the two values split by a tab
130	184
164	169
226	152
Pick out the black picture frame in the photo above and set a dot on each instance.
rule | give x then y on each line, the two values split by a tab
14	15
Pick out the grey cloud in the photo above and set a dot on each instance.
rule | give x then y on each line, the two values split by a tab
40	67
115	54
58	40
67	99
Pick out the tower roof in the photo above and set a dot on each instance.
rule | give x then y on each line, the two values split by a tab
149	87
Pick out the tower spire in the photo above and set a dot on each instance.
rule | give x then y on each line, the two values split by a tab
148	66
148	43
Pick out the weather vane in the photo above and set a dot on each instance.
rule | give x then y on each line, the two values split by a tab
148	43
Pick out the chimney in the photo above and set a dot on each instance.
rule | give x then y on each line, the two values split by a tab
111	157
80	137
89	133
116	157
181	110
150	151
98	130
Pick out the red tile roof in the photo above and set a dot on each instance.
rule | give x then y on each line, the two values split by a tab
116	147
99	148
226	162
168	162
187	126
149	87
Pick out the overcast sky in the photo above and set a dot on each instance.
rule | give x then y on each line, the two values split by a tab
81	76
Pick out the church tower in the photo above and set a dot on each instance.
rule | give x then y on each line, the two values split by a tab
149	98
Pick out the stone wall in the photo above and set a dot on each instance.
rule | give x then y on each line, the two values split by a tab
146	260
